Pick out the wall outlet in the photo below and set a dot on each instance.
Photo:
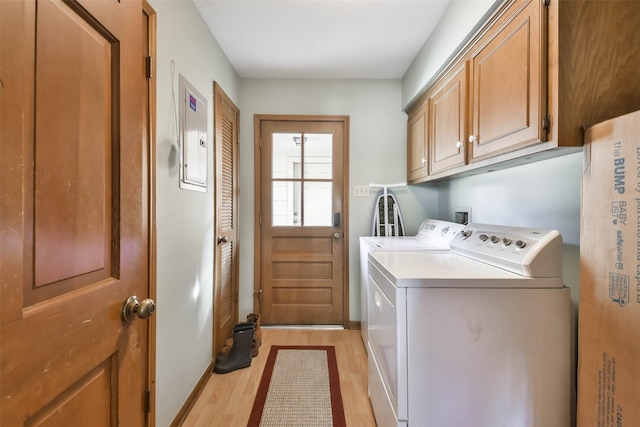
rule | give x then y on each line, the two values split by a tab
462	215
360	190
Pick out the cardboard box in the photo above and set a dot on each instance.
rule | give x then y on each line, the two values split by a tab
609	311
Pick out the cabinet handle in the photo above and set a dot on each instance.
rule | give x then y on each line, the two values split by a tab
473	139
459	144
424	161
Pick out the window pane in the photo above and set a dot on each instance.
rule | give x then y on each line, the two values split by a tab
318	206
317	155
287	152
285	203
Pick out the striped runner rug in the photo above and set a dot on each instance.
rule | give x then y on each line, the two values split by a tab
300	386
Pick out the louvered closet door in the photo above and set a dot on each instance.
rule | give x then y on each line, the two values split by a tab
227	118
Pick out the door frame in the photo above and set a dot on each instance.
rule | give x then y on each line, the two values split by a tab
152	18
257	221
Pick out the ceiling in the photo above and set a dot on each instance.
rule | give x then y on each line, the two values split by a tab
321	39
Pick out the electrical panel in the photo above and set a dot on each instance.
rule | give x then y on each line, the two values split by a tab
193	137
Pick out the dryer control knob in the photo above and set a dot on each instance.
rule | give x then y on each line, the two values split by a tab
464	234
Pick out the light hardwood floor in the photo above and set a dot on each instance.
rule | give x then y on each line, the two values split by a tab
226	400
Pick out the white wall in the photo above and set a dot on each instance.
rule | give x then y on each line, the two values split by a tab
377	143
544	194
458	23
184	218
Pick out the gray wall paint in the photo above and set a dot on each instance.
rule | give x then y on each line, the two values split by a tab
458	23
377	154
544	194
184	219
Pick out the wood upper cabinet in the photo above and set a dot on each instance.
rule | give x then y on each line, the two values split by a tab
417	144
448	121
508	85
528	82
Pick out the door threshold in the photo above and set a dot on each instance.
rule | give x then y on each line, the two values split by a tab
319	327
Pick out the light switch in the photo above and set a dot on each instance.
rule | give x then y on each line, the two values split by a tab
360	190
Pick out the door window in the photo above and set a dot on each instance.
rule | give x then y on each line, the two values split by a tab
302	179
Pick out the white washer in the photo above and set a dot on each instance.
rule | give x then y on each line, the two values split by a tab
478	337
433	235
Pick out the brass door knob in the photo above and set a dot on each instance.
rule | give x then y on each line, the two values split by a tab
133	307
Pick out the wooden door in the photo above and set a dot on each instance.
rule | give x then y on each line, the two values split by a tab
509	84
226	123
74	216
302	214
448	125
417	143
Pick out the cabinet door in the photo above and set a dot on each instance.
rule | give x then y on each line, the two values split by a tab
509	85
417	163
448	109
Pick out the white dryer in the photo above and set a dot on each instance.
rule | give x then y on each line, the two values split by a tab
477	337
433	235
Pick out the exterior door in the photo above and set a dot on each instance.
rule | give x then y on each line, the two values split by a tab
227	120
302	183
75	213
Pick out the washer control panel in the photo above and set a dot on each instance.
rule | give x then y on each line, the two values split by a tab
438	229
526	251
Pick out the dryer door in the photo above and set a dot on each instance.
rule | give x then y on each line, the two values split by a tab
387	308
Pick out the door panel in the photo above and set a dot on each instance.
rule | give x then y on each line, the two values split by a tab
227	118
302	241
448	122
508	85
417	144
73	224
88	399
74	215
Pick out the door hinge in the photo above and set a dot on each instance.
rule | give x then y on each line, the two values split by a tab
546	122
147	66
147	401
